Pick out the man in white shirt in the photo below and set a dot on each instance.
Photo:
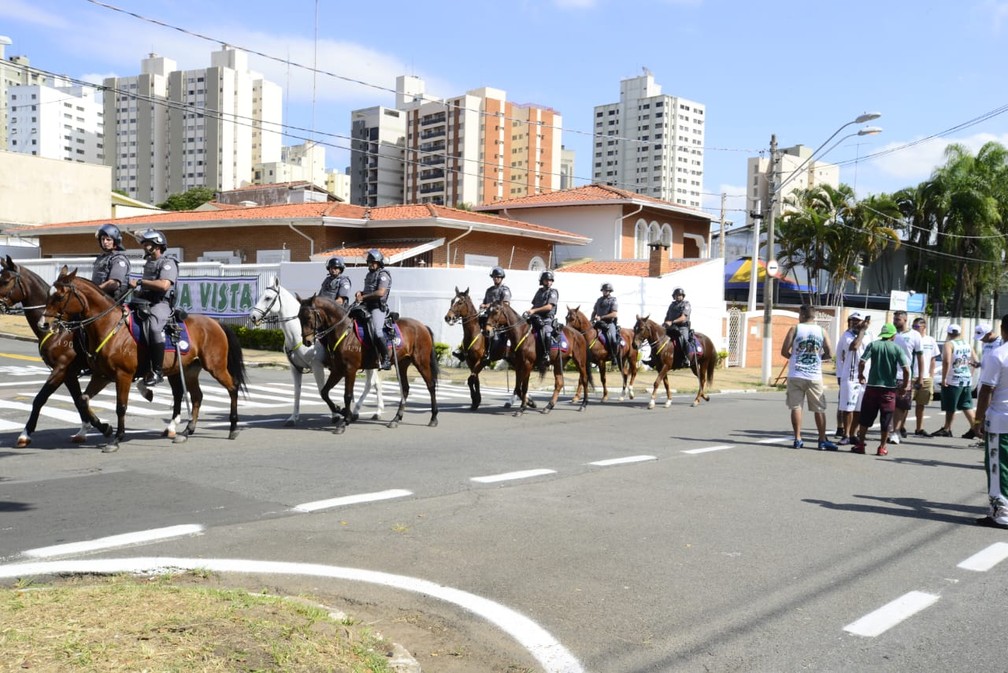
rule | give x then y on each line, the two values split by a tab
992	422
985	341
850	348
923	393
910	341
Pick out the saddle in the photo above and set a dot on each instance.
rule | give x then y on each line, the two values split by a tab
393	335
176	331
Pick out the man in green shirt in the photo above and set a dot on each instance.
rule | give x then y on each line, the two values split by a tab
887	358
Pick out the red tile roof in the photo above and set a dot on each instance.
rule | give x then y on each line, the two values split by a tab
587	195
628	267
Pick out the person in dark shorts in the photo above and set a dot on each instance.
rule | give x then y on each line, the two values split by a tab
882	385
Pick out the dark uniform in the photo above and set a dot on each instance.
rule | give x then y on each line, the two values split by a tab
154	307
545	319
605	305
495	294
336	288
378	279
110	265
679	331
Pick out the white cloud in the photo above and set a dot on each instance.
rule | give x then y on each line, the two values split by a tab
21	11
997	10
915	164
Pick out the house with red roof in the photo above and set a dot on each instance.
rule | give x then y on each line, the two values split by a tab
631	234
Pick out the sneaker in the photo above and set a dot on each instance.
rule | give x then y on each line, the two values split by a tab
798	444
921	433
844	441
969	434
827	445
894	438
942	433
881	451
903	433
857	448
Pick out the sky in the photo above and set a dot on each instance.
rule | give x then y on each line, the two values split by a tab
801	70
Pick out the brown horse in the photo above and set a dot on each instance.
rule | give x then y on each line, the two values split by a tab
523	356
325	320
19	285
117	355
599	354
474	340
702	365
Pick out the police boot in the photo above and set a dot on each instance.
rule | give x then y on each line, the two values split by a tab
459	354
155	353
385	355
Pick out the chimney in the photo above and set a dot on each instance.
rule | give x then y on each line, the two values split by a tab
658	260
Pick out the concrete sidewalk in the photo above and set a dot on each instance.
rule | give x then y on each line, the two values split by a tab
682	381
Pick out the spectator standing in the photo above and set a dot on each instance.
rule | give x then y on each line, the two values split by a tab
956	380
992	423
805	346
882	386
910	341
922	393
850	347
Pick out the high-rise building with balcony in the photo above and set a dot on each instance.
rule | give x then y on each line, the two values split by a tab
789	160
650	143
167	131
57	120
14	71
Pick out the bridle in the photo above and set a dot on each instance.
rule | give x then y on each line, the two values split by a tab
7	307
74	293
456	318
269	308
655	345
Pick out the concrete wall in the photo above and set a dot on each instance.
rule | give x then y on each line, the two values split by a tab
39	191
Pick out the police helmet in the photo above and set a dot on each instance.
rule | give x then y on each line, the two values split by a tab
607	287
152	236
678	291
375	255
335	263
497	272
112	232
545	276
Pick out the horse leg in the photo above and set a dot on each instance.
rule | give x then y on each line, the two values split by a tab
602	375
557	385
122	400
296	412
654	388
95	386
583	380
474	384
404	388
333	378
668	390
176	415
232	412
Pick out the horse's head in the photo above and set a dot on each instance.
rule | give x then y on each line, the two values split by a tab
642	330
270	303
64	300
576	319
309	318
461	307
11	289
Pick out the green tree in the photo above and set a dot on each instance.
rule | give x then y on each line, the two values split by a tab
190	200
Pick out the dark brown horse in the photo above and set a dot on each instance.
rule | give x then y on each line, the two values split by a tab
19	285
323	319
702	365
474	340
115	357
523	356
599	354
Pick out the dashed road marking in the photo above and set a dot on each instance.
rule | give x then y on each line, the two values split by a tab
708	449
351	500
987	558
622	461
113	541
507	476
891	614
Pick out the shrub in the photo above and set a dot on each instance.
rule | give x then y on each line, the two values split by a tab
260	339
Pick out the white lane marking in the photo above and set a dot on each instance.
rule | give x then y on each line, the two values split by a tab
9	425
547	650
351	500
50	412
112	541
774	440
507	476
986	559
621	461
891	614
708	449
34	383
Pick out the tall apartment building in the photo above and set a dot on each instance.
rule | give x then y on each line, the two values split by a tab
14	71
789	161
304	162
167	130
59	120
650	143
475	148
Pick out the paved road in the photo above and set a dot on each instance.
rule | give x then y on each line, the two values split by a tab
669	540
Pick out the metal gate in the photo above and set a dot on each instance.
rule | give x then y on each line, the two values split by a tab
735	328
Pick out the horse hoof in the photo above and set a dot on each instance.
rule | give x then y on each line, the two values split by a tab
354	418
289	423
517	413
668	404
233	434
23	442
695	402
507	405
111	447
339	430
392	424
180	439
375	417
706	398
531	404
433	423
106	430
78	439
650	404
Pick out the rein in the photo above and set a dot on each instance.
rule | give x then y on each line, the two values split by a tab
268	309
79	324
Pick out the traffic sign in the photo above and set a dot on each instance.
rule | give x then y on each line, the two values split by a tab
772	268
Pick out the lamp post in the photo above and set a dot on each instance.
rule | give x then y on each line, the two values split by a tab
773	190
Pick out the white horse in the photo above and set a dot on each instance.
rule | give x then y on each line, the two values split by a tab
278	303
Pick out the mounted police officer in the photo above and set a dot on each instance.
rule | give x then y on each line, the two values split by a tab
677	325
111	268
543	312
336	286
603	318
496	293
153	297
374	297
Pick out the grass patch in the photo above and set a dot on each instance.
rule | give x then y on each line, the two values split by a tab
170	623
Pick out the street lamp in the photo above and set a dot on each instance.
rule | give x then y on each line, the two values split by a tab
773	190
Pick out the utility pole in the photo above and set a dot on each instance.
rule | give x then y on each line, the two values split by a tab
724	197
768	283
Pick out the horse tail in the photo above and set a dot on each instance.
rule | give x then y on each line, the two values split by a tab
712	360
236	360
434	365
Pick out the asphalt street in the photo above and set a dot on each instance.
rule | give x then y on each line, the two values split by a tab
677	539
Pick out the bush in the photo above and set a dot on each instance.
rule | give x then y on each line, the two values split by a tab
260	339
441	350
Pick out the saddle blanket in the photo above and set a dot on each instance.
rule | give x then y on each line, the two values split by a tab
136	331
605	341
560	343
697	346
360	330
